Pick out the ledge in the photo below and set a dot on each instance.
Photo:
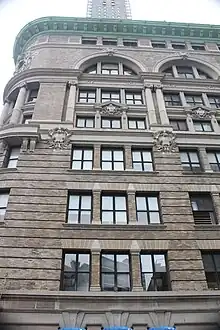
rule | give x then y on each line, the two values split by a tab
128	227
127	28
10	131
124	172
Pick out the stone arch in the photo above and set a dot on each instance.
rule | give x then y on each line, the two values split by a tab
110	55
187	60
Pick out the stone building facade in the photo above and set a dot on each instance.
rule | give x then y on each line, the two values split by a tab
110	163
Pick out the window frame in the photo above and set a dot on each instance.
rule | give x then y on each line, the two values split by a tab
87	98
152	254
202	197
130	43
217	278
80	210
82	160
115	271
172	101
148	211
191	168
178	45
111	120
137	120
194	103
142	162
158	44
215	97
85	120
198	47
217	161
178	125
114	210
76	272
134	97
112	161
202	125
4	192
186	70
109	69
11	158
118	100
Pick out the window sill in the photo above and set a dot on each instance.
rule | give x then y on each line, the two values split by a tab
213	227
129	227
113	172
5	169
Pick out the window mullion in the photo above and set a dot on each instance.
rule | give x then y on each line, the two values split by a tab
79	210
148	214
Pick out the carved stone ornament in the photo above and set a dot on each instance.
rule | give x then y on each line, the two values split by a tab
165	141
109	51
23	62
201	112
111	109
184	56
28	145
59	138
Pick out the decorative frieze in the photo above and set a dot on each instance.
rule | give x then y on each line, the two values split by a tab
28	144
111	109
201	112
165	141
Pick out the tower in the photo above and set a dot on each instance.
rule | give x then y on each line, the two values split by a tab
116	9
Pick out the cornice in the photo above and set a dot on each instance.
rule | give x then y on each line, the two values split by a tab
127	28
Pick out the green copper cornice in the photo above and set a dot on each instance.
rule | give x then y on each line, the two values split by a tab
123	28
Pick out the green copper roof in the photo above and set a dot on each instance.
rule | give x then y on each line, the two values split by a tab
125	28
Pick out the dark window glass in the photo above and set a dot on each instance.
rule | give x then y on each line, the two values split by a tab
142	160
190	160
76	272
172	100
82	159
203	210
112	159
130	43
13	157
168	72
26	118
92	69
33	95
87	96
197	47
158	44
114	209
147	208
203	75
211	262
214	160
214	101
178	125
108	42
185	72
203	126
87	41
154	275
115	272
80	208
85	122
133	97
194	100
110	68
128	72
3	204
111	122
179	46
138	123
110	96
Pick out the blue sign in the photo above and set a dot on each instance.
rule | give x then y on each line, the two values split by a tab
163	328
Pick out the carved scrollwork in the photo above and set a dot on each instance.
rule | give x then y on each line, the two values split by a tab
24	62
165	141
201	112
59	138
111	109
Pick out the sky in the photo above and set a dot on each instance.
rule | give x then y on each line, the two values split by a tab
14	14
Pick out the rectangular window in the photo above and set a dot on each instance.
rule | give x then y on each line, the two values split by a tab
178	125
82	158
172	100
203	210
114	209
190	160
115	272
88	41
87	96
142	160
33	95
214	101
197	47
110	68
147	208
109	42
158	44
85	122
111	122
136	123
179	46
26	118
194	100
154	275
203	126
211	262
214	160
79	208
107	96
112	159
133	97
13	157
3	204
185	72
75	271
130	43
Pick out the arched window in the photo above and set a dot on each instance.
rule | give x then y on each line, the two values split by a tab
186	72
110	68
